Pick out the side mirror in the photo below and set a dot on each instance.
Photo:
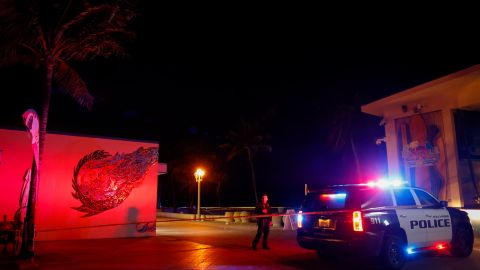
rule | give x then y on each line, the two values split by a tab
444	203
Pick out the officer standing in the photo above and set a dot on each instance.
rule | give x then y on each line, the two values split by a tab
263	223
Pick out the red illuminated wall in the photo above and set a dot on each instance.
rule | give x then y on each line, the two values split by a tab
55	217
15	158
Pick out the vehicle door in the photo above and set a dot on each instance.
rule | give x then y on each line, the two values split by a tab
380	210
410	216
437	219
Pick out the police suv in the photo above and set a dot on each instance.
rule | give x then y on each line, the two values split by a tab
388	221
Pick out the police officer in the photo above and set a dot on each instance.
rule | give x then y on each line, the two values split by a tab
263	223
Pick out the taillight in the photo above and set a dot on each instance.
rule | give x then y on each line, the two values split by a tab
357	221
299	219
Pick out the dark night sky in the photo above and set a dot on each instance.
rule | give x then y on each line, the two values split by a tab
191	77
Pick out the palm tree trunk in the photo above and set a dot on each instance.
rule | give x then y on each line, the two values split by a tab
357	161
46	107
27	250
252	171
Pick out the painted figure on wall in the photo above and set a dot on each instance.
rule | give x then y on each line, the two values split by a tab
23	200
30	119
102	181
438	172
423	152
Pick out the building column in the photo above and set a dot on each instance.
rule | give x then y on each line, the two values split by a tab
393	155
453	180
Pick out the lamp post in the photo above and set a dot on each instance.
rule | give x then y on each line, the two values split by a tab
198	177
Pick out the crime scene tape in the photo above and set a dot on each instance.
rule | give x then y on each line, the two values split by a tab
184	219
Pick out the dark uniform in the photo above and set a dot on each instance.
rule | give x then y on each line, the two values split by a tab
263	224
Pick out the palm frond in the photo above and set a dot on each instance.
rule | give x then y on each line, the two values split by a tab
93	21
247	136
83	17
105	44
11	54
18	42
69	81
234	152
16	20
265	148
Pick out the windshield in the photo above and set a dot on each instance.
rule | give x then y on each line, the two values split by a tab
325	201
338	199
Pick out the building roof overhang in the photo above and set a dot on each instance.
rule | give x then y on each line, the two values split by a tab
459	90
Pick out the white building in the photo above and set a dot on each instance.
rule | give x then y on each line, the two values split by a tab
432	135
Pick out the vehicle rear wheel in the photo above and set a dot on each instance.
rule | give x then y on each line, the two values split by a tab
393	252
462	242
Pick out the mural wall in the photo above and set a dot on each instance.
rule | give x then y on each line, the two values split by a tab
90	187
421	141
15	160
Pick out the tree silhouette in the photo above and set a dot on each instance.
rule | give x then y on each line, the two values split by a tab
246	139
342	125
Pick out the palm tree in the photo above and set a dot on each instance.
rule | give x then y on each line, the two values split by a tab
247	139
48	35
341	132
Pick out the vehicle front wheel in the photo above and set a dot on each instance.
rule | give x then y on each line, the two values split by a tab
393	253
462	242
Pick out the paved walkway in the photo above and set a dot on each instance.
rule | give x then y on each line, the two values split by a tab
198	245
179	245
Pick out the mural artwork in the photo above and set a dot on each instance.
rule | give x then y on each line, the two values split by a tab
23	201
423	152
102	182
32	178
30	118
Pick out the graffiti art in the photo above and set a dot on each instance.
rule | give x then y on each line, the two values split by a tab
102	182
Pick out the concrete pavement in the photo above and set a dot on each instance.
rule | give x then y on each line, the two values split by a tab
179	245
197	245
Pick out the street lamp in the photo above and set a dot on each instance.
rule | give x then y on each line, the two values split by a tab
198	177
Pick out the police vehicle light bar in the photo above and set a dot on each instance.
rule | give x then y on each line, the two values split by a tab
334	196
385	183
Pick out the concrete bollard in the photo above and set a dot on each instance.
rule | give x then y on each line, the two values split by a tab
276	221
228	217
290	220
236	217
245	216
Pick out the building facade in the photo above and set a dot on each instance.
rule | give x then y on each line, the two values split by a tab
432	136
90	187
